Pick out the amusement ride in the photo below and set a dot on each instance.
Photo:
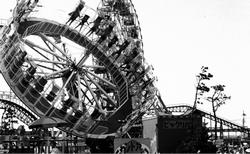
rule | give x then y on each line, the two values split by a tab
82	71
85	70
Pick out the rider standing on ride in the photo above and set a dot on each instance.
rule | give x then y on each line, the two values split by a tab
76	12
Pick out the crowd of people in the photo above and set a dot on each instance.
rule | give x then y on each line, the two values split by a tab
239	148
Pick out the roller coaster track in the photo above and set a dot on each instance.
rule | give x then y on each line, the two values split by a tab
10	103
184	108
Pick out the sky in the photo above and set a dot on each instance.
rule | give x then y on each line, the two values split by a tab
181	36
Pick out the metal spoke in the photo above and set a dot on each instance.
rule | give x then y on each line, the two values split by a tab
103	91
93	95
93	66
31	44
83	59
57	72
49	47
104	80
47	61
85	95
79	92
32	47
60	50
46	67
59	94
84	92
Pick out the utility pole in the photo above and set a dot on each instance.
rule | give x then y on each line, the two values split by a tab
243	123
243	119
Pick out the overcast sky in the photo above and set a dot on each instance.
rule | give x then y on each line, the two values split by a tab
181	36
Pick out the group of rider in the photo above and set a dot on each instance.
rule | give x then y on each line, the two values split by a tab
74	15
23	9
131	61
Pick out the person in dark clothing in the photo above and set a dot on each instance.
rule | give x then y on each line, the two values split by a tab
133	69
113	41
134	53
28	3
97	23
75	13
106	33
133	33
122	47
83	21
119	5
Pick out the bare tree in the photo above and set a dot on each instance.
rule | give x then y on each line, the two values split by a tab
217	99
201	88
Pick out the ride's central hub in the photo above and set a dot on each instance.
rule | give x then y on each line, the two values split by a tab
75	67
